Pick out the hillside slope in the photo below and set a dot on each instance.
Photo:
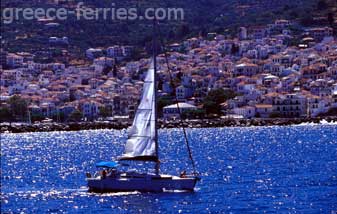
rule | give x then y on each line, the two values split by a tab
200	16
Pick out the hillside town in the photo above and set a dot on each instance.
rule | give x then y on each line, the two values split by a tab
273	71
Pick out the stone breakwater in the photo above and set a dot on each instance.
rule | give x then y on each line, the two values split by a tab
205	123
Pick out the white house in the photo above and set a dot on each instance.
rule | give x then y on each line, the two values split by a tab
93	53
57	40
115	52
334	99
243	33
167	88
90	109
172	111
14	60
246	69
263	110
290	105
132	67
183	92
245	112
316	106
127	50
104	61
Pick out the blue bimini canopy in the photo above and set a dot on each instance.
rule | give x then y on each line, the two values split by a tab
107	164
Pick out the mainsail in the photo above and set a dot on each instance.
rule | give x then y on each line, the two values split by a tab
141	144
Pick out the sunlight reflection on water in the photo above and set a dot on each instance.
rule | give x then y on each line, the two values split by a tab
273	169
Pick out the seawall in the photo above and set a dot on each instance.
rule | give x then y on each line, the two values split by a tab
204	123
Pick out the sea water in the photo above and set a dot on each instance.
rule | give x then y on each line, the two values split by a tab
243	170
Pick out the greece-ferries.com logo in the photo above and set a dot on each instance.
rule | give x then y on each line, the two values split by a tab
81	11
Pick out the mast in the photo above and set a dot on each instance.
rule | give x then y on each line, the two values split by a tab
184	130
142	143
154	46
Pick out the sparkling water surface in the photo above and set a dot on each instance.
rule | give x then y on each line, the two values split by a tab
243	170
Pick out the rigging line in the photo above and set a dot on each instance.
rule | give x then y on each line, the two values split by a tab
157	165
176	99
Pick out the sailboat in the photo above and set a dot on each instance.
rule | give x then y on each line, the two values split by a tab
142	145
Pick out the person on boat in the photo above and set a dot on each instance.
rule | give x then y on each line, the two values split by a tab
183	174
103	174
112	173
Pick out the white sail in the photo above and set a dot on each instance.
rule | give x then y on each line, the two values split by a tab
141	142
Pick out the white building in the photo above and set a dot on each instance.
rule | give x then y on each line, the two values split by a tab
57	40
290	105
90	109
93	53
104	61
243	33
282	23
183	93
172	111
132	67
14	60
263	110
127	51
317	106
245	112
246	69
115	52
334	99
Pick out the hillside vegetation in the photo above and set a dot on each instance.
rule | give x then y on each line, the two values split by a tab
201	16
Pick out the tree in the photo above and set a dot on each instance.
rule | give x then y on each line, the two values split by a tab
183	31
214	98
286	7
106	70
75	116
171	35
203	32
322	5
72	96
235	49
162	102
5	114
194	114
18	107
307	20
105	111
293	14
114	70
331	19
37	117
275	115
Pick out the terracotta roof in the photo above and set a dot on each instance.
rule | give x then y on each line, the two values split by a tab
263	106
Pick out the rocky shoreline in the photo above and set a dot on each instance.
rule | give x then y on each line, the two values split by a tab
118	125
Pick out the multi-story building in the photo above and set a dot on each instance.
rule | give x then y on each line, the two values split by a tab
115	52
316	106
172	111
3	58
183	93
127	51
246	69
90	109
320	32
290	105
14	61
245	111
93	53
